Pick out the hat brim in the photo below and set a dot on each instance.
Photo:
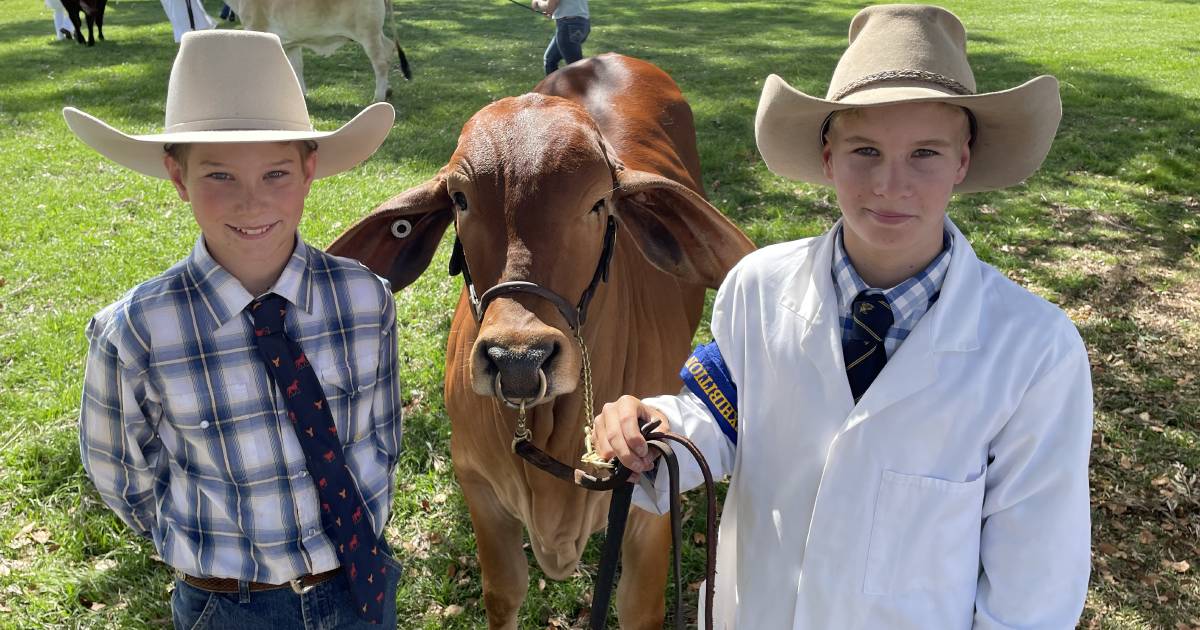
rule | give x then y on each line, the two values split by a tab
339	150
1015	128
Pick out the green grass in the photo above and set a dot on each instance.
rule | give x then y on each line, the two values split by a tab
1108	229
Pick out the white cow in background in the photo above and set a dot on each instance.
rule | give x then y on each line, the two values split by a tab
324	26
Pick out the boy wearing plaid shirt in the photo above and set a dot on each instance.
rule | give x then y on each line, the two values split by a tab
242	408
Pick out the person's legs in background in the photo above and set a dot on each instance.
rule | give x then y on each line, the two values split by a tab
567	43
552	55
571	33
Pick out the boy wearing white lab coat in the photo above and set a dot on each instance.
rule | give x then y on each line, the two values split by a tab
909	431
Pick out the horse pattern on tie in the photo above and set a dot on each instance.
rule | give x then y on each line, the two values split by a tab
343	513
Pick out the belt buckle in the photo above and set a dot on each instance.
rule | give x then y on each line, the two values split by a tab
299	588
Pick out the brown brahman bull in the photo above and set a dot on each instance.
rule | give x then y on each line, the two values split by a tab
530	190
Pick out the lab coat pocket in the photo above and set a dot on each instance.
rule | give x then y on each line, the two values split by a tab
925	535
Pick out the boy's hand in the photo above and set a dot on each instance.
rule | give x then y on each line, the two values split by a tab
617	433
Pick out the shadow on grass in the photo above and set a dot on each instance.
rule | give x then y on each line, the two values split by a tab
123	73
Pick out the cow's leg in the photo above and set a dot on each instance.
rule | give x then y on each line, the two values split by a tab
498	539
296	57
380	49
73	13
645	554
91	21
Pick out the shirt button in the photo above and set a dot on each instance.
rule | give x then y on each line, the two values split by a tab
303	473
204	424
312	532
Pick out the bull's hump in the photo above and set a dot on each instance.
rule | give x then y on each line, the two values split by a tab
530	136
532	106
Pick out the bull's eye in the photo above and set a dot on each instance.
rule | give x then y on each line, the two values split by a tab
460	200
598	207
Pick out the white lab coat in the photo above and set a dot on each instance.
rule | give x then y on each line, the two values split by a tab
954	495
62	22
176	11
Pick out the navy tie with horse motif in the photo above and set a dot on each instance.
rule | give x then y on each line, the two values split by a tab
343	512
865	355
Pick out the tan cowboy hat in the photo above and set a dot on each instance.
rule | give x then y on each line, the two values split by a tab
235	86
902	53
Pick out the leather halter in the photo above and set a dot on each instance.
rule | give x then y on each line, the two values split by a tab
576	316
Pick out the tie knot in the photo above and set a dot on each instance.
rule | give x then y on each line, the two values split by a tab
872	314
268	312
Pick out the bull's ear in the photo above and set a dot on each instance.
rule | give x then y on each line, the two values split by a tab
677	230
398	239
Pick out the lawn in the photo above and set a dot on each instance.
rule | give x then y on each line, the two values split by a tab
1108	229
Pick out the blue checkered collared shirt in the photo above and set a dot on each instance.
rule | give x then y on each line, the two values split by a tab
187	438
910	299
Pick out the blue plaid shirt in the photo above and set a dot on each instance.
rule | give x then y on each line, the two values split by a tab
187	438
909	299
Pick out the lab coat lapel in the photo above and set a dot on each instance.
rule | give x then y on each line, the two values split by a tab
951	325
911	369
810	296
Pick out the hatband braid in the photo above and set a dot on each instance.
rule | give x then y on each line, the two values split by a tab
892	75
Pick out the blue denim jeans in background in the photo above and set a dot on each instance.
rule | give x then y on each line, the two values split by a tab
328	606
567	43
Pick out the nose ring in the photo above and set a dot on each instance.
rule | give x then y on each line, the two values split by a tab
516	404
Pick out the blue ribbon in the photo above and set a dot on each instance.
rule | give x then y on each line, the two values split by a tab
707	376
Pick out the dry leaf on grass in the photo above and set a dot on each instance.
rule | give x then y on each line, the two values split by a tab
1179	567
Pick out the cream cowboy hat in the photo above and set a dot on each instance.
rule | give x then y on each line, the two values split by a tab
902	53
235	86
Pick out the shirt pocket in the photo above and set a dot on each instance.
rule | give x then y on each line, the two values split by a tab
925	535
195	422
348	396
190	411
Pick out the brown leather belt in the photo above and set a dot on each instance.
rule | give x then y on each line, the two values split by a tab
301	584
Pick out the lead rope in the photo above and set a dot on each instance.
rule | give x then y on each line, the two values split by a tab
589	444
622	493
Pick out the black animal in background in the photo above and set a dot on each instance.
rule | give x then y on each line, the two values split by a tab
93	10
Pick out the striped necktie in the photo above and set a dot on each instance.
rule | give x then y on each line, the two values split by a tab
864	354
343	512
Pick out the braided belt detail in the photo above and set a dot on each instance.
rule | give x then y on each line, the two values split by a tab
893	75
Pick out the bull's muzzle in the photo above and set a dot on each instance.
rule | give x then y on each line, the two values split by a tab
520	375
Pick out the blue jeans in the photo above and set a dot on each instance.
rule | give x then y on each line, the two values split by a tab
327	606
567	43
